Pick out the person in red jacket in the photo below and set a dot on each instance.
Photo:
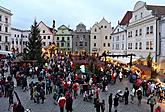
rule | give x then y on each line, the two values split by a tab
158	109
61	103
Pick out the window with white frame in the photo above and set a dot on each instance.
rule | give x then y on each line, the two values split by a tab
151	45
140	45
122	46
147	45
140	32
94	44
104	44
147	30
117	38
0	17
136	45
94	37
117	46
151	29
129	45
136	33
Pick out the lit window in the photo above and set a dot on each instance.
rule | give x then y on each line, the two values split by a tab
151	45
147	45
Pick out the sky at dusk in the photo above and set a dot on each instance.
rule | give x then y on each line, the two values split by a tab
69	12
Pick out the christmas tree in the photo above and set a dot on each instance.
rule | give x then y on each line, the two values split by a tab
34	45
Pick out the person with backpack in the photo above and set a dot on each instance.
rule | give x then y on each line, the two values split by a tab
151	101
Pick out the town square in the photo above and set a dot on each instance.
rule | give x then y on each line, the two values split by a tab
82	56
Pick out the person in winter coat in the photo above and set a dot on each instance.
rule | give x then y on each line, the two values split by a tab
126	94
139	96
97	105
151	101
116	102
61	103
120	76
158	109
69	102
42	95
110	100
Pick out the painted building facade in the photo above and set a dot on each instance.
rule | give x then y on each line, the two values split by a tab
81	39
46	34
142	32
100	37
119	35
5	28
162	45
63	38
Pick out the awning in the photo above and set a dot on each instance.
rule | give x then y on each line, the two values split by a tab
124	60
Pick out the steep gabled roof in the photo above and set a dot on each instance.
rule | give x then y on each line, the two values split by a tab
126	18
157	10
50	29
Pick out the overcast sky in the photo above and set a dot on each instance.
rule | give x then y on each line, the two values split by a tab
69	12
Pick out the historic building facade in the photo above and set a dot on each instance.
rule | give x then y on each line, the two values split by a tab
19	39
142	32
46	33
5	28
63	38
81	39
119	35
162	44
100	37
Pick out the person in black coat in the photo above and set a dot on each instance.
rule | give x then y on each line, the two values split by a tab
97	105
116	102
126	94
110	100
69	102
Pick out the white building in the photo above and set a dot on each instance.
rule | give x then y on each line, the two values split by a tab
46	34
162	44
5	28
119	35
100	37
142	32
19	39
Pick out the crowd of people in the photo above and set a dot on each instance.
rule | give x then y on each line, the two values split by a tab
59	78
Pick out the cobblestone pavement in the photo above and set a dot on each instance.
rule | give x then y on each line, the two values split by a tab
79	105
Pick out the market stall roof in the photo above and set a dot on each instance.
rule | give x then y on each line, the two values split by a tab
125	60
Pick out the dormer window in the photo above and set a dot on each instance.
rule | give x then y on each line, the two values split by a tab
117	30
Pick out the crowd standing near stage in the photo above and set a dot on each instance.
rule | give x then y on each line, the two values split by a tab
59	78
